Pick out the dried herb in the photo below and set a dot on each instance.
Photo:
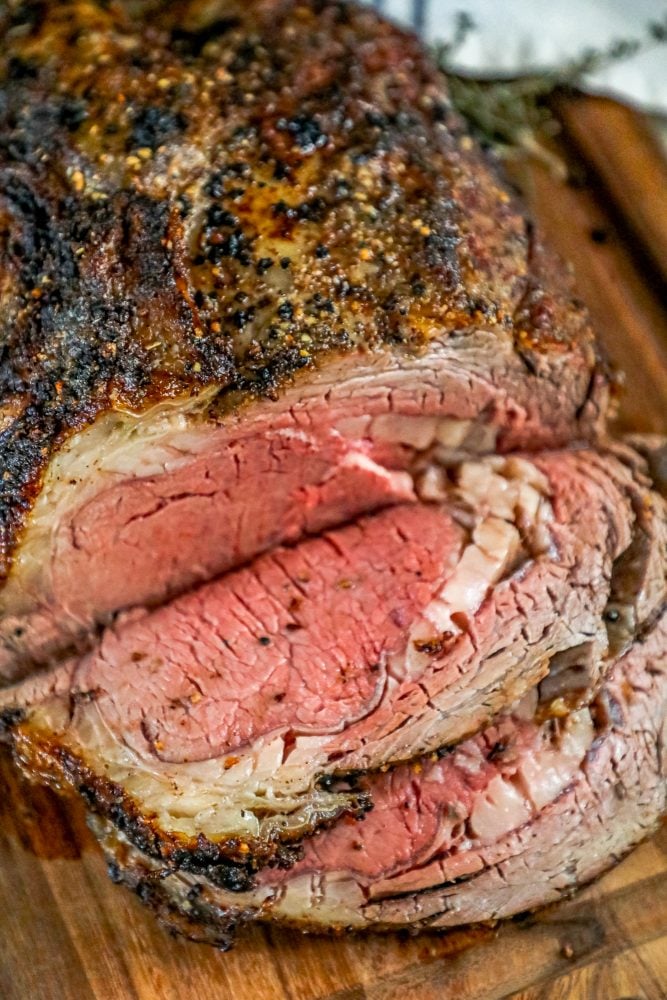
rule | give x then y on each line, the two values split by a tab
513	114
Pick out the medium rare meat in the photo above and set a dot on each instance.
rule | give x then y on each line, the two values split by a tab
513	819
251	267
320	580
223	725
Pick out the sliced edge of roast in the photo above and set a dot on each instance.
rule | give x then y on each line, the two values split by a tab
236	719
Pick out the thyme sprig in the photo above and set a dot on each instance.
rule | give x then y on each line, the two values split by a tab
512	114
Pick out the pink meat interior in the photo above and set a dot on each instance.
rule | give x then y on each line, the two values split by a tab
297	639
422	811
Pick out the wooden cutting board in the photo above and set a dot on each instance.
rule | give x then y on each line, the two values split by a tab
68	934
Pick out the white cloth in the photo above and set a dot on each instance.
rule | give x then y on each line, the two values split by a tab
516	36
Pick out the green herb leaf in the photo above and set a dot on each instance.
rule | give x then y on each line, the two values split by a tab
512	114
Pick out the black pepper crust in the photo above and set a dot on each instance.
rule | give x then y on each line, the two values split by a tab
229	862
198	195
201	920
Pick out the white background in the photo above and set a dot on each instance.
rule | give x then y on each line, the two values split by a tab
516	35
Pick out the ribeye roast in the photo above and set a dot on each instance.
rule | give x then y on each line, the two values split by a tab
533	807
234	256
218	724
308	509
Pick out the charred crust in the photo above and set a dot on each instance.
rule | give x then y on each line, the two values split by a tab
195	920
139	172
154	125
229	862
9	719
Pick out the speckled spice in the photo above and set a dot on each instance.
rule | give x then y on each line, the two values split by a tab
190	198
229	861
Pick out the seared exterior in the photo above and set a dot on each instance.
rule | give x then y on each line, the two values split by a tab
219	196
306	494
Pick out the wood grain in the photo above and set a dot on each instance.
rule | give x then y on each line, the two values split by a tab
625	154
628	305
69	934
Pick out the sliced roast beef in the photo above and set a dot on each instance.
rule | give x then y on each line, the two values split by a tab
229	322
229	719
512	819
307	513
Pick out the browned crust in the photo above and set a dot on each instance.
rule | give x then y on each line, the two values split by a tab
206	923
144	159
229	862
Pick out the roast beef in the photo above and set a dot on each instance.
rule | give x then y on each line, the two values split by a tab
251	265
515	818
320	579
231	721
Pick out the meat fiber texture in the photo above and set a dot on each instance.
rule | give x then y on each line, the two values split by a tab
522	815
310	525
222	289
233	721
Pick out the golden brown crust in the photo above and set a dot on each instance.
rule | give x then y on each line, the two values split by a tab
192	195
229	861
